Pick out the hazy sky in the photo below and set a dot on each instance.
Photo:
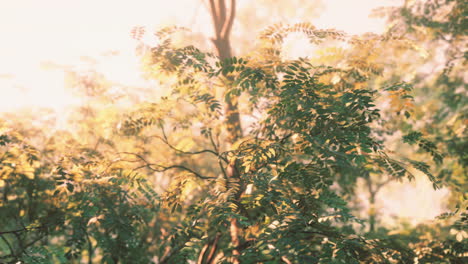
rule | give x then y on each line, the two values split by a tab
33	31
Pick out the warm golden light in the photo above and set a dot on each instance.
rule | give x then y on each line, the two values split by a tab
62	32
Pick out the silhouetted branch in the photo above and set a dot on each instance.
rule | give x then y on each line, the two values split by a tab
12	252
22	230
215	16
228	24
161	168
166	141
222	23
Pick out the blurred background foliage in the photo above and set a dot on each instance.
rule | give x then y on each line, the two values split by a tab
156	175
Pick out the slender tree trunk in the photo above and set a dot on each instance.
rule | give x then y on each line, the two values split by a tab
373	189
372	193
222	22
372	212
223	18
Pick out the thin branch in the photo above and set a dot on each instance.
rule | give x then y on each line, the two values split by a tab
22	246
212	142
286	260
222	169
167	256
9	256
228	24
285	138
194	152
161	168
215	17
213	248
166	141
12	252
90	248
33	242
113	162
206	256
22	230
234	232
23	249
382	184
183	168
217	151
200	259
222	12
369	183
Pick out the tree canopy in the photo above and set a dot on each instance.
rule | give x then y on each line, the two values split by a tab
248	159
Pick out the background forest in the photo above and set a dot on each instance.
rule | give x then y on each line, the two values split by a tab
267	140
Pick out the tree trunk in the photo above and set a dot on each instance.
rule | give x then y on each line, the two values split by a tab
223	25
372	213
372	193
223	19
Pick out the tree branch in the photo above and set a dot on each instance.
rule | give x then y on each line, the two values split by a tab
222	12
214	247
215	16
22	230
286	260
217	151
161	168
228	24
12	252
166	141
382	184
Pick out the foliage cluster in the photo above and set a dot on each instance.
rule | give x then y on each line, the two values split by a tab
153	184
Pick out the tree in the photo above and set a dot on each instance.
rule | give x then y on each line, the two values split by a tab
178	179
440	27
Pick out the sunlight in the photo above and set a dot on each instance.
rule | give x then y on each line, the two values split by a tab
232	131
415	202
353	16
62	32
31	34
20	92
57	31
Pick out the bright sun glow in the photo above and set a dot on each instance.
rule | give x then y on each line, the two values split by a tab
62	31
